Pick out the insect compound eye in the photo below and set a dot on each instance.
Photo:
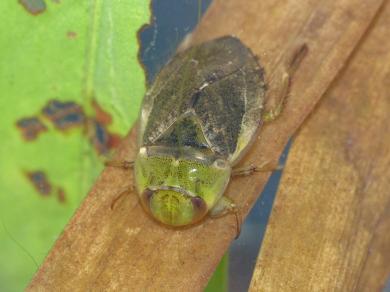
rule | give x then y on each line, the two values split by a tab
146	197
200	208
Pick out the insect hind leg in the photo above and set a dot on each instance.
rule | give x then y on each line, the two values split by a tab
224	207
251	169
292	65
273	113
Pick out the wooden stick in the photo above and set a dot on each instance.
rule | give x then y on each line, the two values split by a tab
102	250
329	229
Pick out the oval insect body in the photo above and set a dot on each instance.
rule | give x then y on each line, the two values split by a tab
178	188
197	120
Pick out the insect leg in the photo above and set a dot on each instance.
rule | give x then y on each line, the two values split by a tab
289	71
125	192
273	113
224	207
251	169
125	164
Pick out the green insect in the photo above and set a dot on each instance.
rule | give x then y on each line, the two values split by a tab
197	120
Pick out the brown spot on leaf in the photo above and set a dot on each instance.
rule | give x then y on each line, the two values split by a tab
71	35
64	115
34	7
30	127
101	115
39	180
61	195
114	141
100	137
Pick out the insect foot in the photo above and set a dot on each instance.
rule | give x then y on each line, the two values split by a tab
224	207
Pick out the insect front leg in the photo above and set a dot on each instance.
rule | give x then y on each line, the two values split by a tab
224	207
292	65
251	169
125	164
125	192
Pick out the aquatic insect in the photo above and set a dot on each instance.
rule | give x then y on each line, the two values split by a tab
197	120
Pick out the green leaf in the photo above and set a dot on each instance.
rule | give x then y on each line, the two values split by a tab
219	280
75	54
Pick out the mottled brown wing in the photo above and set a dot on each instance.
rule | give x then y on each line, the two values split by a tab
219	85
